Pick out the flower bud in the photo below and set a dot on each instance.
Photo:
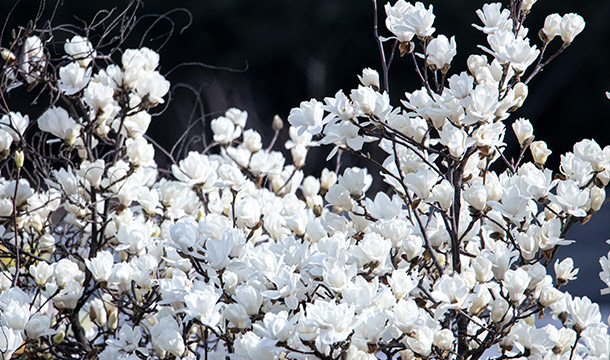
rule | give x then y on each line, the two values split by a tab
59	337
444	339
113	320
19	158
237	314
475	62
328	178
570	26
482	268
500	311
476	196
598	195
278	123
549	295
551	27
540	152
230	280
97	312
406	355
298	153
413	246
443	194
370	78
252	140
71	135
247	211
526	5
524	131
480	302
516	282
7	55
521	91
551	211
364	98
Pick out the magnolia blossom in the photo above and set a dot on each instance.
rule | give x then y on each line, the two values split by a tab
508	48
80	49
570	26
524	131
58	122
369	77
406	20
494	18
455	139
307	117
540	152
552	26
441	51
101	265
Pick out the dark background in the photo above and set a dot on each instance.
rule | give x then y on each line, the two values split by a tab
282	52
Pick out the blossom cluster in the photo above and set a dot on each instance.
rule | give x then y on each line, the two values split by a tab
235	252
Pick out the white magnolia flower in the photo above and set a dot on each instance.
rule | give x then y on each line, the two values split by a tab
523	130
540	152
369	77
444	339
365	98
152	86
584	314
68	295
15	315
422	182
14	124
395	18
565	270
308	116
101	265
10	341
249	297
41	272
507	47
516	282
571	198
140	152
526	5
202	305
494	18
80	49
128	338
440	52
418	19
455	139
224	130
73	78
38	325
552	26
570	26
65	271
276	326
356	181
251	347
58	122
92	172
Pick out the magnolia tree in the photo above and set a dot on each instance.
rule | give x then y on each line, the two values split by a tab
232	252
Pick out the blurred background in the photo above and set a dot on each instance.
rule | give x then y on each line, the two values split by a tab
268	56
